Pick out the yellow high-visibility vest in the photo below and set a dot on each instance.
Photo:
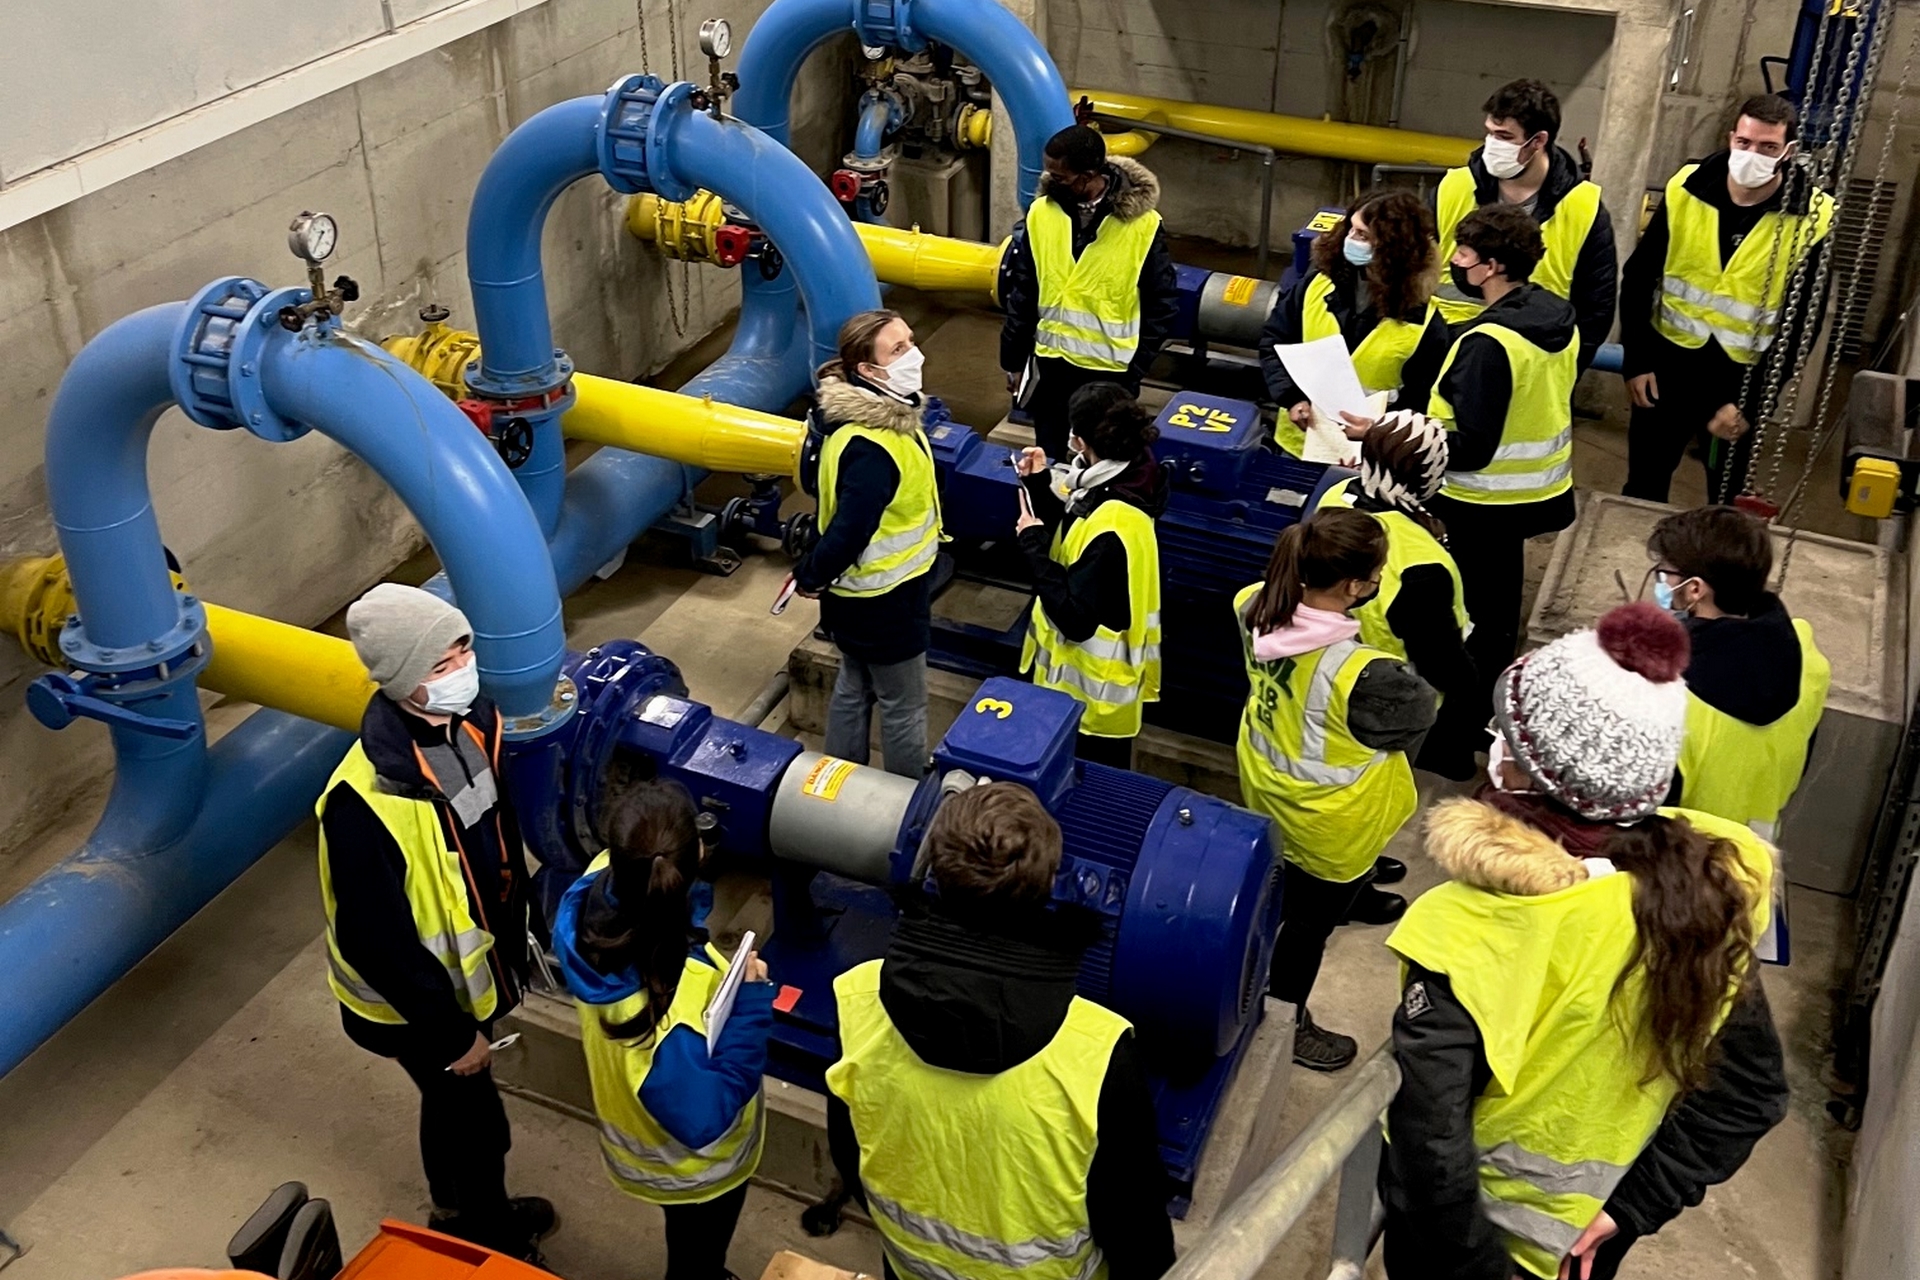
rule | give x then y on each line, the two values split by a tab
1566	1114
1336	800
1089	307
1112	674
1564	231
1736	304
435	883
1744	772
640	1156
908	539
1379	358
975	1176
1408	545
1534	461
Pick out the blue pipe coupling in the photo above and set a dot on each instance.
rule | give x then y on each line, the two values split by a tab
635	137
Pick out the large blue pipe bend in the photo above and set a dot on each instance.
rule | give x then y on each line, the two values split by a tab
987	34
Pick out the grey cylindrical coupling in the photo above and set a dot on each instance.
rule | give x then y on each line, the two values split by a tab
839	816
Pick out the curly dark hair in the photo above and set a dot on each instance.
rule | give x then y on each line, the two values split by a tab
1405	262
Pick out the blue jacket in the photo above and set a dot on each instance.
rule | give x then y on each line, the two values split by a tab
694	1096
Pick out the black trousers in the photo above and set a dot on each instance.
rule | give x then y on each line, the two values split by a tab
1489	544
698	1235
1310	910
1694	385
1116	752
464	1141
1047	406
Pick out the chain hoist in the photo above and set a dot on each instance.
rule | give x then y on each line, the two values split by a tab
679	310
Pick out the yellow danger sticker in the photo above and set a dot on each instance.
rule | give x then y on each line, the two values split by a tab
826	778
1325	220
1239	291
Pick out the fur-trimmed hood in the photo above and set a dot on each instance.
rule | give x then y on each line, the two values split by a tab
1478	845
1132	189
842	401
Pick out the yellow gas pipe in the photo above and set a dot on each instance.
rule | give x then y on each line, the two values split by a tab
696	430
255	659
1292	135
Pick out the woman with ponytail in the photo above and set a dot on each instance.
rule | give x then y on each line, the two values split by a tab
1583	1042
680	1109
1087	530
1420	614
1323	743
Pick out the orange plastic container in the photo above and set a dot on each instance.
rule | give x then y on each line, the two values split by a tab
405	1252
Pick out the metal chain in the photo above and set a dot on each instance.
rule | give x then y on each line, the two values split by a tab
679	310
1825	427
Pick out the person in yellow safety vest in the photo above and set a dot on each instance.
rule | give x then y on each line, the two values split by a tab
1372	284
682	1116
424	881
1087	282
1584	1042
878	536
1323	743
996	1125
1520	165
1756	683
1701	300
1087	531
1505	396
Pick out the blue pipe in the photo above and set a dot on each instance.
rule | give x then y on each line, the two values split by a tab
870	135
76	930
449	477
772	55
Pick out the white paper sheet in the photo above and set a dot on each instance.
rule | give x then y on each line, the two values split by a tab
722	1006
1324	370
1327	437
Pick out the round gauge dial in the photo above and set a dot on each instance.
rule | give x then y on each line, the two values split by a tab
716	37
313	236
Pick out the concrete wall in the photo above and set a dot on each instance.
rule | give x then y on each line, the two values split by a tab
296	531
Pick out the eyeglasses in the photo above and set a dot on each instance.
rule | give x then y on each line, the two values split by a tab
1628	596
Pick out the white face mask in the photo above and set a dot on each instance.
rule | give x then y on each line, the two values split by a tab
1497	759
902	377
1501	158
453	693
1750	168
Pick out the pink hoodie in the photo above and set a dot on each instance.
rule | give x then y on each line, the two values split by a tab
1310	629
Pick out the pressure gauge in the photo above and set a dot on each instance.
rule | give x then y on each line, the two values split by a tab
716	38
312	236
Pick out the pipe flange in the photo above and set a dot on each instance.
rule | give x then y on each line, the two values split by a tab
217	351
879	164
182	643
549	384
887	24
632	141
559	709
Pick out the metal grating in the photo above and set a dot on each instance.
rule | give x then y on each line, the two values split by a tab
1859	233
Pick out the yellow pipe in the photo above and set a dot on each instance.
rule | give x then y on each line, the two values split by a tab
1294	135
921	261
697	430
254	659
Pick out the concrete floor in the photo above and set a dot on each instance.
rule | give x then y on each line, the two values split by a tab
146	1131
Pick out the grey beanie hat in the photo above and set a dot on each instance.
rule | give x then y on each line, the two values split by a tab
401	632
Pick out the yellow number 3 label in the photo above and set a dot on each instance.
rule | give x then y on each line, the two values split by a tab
994	705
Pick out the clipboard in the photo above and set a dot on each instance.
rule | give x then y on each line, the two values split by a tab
785	598
722	1006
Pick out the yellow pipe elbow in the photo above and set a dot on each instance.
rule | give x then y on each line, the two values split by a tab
1294	135
921	261
690	429
288	668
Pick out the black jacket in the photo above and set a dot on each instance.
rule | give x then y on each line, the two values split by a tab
892	626
1421	616
1429	1183
1596	270
981	996
1643	350
1132	190
1285	325
372	920
1093	591
1747	668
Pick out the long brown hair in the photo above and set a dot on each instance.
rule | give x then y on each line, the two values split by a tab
1406	252
636	915
857	339
1693	917
1322	551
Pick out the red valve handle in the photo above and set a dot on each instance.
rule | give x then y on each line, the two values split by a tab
731	245
845	185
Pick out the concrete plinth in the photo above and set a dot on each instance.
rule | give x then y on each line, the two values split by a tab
1852	593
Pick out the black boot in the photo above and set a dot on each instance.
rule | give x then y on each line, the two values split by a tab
312	1251
1318	1049
1375	906
256	1246
1388	870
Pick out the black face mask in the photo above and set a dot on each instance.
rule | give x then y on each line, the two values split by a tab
1459	274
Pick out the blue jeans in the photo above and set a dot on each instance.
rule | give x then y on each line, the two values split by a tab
900	691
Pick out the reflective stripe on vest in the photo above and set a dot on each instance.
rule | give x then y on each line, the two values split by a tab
1336	800
908	539
975	1177
1409	546
1113	674
1564	233
1089	307
640	1156
1737	304
1534	460
434	881
1744	772
1565	1114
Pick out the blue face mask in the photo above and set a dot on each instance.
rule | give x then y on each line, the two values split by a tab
1663	596
1357	252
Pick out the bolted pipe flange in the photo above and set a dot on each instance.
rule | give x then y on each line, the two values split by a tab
217	351
184	643
634	136
887	24
559	709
